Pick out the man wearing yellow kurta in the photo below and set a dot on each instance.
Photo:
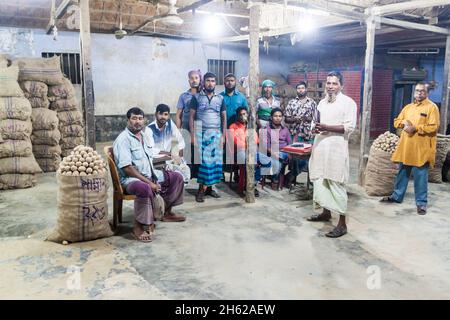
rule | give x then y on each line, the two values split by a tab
329	162
416	150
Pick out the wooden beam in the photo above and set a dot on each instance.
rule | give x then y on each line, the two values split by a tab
193	6
413	25
404	6
367	98
445	105
60	11
253	79
86	65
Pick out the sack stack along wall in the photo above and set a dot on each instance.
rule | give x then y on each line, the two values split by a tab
71	125
18	166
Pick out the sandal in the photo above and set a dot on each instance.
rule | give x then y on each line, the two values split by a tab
318	218
336	232
143	237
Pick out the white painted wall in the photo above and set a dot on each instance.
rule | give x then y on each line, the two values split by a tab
125	72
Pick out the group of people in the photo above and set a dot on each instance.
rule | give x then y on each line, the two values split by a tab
208	123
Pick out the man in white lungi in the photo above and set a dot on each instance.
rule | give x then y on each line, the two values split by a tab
329	163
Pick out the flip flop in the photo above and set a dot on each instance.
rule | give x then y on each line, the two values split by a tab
141	237
388	199
318	218
336	233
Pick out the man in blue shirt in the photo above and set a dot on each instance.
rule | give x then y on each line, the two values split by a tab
133	152
233	99
208	124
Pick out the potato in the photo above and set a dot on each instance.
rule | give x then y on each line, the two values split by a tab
74	168
83	174
91	165
95	167
81	168
89	170
88	159
66	168
95	172
75	173
85	164
79	163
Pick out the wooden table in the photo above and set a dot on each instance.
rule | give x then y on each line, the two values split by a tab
300	155
159	162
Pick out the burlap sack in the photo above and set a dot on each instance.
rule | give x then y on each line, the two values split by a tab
48	137
19	165
71	142
46	151
36	89
64	105
14	108
39	102
67	118
44	119
442	147
65	152
380	173
82	208
71	130
4	60
9	87
49	164
62	91
17	181
16	148
47	70
15	129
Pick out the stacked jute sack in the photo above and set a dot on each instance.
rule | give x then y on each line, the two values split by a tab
17	163
435	174
45	136
64	102
380	170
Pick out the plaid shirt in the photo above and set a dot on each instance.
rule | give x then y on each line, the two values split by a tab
306	109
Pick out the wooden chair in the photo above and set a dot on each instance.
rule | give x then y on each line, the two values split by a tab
119	194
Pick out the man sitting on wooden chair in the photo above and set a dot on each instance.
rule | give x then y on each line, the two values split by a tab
133	156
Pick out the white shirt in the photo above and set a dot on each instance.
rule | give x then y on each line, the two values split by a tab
162	141
330	157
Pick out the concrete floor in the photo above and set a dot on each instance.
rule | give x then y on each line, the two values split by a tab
228	249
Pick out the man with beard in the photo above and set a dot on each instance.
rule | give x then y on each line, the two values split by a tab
329	162
416	150
233	98
168	140
133	157
208	134
266	103
298	116
183	114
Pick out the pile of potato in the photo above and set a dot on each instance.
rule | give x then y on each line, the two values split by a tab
82	161
386	142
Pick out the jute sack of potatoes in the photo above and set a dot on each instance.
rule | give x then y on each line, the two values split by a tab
19	165
64	105
442	146
71	142
15	129
65	90
44	119
47	70
17	181
82	198
48	137
9	87
74	130
46	151
15	108
34	89
49	164
70	118
380	173
16	148
39	102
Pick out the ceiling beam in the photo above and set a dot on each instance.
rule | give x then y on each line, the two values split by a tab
60	11
413	25
404	6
